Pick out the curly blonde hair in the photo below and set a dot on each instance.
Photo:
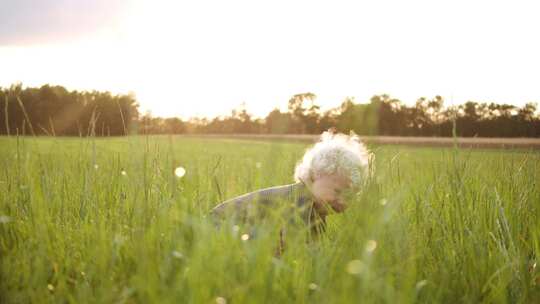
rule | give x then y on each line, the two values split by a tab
339	154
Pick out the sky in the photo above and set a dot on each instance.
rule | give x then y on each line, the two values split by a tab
204	58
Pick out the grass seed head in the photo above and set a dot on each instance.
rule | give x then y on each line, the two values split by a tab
371	245
355	267
4	219
221	300
421	284
177	255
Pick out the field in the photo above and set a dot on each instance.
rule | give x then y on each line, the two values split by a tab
107	220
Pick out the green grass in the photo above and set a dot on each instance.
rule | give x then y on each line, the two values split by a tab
449	226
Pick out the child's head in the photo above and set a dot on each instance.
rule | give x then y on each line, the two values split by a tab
335	164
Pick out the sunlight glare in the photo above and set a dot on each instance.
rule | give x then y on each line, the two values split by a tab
180	172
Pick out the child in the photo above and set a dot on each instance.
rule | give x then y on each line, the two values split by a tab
335	164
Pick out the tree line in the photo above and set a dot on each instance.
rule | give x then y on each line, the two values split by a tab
53	110
383	115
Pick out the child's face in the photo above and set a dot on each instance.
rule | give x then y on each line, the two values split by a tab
328	189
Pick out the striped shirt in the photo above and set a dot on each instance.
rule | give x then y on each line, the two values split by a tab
292	198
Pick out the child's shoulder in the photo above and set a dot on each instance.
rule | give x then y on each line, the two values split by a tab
273	197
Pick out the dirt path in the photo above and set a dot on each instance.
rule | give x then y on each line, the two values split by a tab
463	142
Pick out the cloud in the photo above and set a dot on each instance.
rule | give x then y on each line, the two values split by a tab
28	22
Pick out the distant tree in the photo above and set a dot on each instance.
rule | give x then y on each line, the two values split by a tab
277	122
304	116
363	119
386	116
329	119
174	126
348	116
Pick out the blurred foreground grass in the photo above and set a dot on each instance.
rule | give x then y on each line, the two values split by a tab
107	220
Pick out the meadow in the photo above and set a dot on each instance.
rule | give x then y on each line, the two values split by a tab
123	220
